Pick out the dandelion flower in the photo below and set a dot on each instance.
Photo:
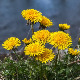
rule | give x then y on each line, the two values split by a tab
60	39
41	36
79	39
11	43
73	52
46	56
32	15
27	41
34	49
46	22
64	26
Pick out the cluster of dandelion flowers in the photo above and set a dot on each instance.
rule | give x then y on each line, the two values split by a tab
41	36
27	41
11	43
60	39
46	56
32	15
34	49
64	26
46	22
73	52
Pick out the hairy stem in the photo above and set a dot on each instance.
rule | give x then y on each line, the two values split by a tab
32	28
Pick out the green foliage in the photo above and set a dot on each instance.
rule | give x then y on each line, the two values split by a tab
30	69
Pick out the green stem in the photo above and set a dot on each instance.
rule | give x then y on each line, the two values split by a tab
56	67
67	66
10	56
58	55
28	33
32	28
45	73
41	72
16	55
45	77
17	73
56	62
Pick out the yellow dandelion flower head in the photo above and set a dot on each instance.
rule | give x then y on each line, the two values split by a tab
41	36
64	26
46	22
32	15
27	41
79	39
60	39
11	43
34	49
46	56
73	52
